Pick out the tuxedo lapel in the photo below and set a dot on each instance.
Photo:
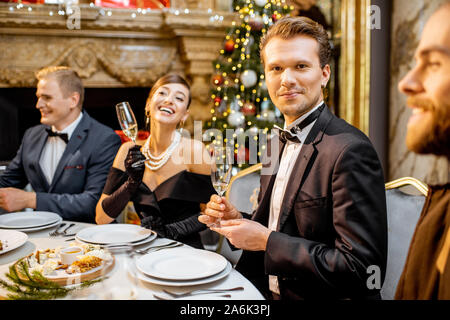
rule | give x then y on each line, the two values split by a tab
303	163
36	151
77	138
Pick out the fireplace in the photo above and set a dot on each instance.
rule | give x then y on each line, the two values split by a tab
118	56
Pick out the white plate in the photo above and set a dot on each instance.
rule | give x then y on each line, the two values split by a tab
115	234
134	244
27	219
41	227
181	264
12	239
180	283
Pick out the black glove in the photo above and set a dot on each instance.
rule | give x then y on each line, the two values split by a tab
114	204
135	174
175	230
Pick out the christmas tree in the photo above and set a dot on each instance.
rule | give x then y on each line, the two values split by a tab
241	107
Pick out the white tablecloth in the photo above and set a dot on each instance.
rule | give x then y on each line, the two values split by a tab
119	276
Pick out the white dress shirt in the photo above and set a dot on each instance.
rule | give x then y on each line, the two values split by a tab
288	158
54	149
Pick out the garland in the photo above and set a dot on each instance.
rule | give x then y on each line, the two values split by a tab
35	286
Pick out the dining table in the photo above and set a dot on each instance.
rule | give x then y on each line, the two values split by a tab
119	274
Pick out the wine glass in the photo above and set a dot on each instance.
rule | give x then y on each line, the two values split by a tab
124	285
127	120
221	166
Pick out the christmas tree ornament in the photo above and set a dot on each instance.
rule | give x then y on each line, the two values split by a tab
265	105
253	130
217	100
248	109
229	45
236	119
248	78
256	22
261	3
217	79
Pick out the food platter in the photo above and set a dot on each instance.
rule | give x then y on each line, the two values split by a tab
90	263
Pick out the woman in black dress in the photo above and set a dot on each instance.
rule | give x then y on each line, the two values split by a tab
168	190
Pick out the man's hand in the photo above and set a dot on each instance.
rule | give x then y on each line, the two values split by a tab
13	199
245	234
218	207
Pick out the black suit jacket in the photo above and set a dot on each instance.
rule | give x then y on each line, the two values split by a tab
80	175
332	224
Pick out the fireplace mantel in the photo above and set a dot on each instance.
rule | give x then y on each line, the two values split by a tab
113	47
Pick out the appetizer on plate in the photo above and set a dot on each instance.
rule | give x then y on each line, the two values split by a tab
49	261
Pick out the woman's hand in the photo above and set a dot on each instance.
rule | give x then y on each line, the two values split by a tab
135	174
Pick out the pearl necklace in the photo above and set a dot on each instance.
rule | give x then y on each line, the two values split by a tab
157	162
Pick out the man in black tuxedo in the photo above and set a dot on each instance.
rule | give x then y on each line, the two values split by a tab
321	217
66	158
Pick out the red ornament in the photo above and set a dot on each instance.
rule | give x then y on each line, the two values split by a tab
217	100
217	79
248	109
229	45
274	17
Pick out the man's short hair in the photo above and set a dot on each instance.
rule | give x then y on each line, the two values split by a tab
290	27
68	80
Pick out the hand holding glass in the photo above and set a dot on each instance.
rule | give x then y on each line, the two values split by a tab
128	123
221	166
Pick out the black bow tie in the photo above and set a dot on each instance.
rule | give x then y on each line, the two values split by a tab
63	136
291	134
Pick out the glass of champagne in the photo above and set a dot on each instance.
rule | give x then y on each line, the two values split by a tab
127	120
221	166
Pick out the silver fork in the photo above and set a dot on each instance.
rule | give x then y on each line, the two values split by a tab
200	291
171	244
64	232
56	231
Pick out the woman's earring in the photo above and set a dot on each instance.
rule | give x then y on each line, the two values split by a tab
147	121
180	126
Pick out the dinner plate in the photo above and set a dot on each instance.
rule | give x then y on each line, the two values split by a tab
41	227
12	239
181	264
115	234
134	244
184	283
27	219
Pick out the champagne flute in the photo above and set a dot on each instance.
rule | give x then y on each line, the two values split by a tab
221	166
127	120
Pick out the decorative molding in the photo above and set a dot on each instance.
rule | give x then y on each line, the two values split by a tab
113	50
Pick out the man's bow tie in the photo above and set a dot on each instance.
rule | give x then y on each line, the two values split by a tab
63	136
291	134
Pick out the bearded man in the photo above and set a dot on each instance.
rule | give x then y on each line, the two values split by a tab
426	274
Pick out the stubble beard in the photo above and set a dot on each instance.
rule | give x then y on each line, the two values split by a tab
433	139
